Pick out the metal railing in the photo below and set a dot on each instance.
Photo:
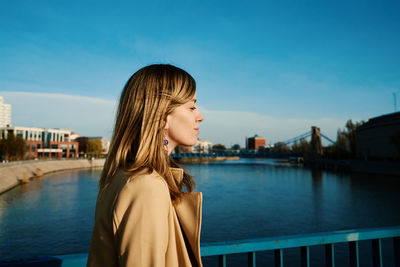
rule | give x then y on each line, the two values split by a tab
276	244
304	242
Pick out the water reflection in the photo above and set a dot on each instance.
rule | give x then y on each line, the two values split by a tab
317	197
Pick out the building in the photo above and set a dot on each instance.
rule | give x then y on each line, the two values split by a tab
379	138
255	142
5	113
44	143
202	146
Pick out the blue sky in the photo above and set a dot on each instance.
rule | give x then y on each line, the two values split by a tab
272	68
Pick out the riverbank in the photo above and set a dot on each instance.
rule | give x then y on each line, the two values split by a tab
360	166
14	173
203	160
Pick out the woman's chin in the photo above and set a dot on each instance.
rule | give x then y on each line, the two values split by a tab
192	143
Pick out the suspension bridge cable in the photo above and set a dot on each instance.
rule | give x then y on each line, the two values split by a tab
297	138
333	142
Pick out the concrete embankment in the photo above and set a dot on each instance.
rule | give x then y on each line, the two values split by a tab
15	173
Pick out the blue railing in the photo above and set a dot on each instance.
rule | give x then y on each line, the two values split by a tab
276	244
304	242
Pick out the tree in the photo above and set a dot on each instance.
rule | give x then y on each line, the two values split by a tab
20	147
347	137
94	147
218	147
236	147
281	147
12	148
345	140
303	146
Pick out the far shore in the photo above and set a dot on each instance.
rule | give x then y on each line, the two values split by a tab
204	160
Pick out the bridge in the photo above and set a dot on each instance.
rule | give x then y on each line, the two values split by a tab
316	143
316	148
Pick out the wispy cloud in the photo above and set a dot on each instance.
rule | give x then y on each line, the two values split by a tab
94	116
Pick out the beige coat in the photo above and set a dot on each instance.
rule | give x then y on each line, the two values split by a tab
137	225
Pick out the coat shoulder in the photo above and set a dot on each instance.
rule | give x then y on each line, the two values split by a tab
145	190
145	183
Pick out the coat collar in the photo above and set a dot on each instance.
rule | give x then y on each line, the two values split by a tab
188	211
177	173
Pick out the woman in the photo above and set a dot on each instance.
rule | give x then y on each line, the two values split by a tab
143	216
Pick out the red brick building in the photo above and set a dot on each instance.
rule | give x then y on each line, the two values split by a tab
255	142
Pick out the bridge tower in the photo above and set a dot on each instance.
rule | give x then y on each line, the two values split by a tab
316	145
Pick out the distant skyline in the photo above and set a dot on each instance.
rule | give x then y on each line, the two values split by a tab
272	69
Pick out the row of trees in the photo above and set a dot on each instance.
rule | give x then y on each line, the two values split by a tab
345	140
12	148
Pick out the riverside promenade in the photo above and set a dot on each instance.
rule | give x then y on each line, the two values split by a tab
14	173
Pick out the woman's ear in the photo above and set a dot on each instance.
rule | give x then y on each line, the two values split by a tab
166	127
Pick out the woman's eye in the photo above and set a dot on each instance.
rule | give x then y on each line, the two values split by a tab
193	108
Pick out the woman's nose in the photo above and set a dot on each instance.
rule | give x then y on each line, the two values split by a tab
200	117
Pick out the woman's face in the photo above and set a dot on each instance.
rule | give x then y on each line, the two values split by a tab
182	126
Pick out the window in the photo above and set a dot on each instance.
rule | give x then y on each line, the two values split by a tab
20	133
48	139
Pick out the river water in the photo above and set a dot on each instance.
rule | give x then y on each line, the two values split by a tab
243	199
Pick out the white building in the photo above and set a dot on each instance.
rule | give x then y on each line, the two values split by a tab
5	113
43	142
202	146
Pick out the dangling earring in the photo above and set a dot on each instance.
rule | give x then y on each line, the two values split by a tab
166	145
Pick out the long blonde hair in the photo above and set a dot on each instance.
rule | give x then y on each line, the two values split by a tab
148	97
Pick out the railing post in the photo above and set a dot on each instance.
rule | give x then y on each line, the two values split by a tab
222	260
354	258
305	256
278	258
396	250
251	256
377	252
330	255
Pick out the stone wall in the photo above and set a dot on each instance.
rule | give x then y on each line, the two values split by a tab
15	173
